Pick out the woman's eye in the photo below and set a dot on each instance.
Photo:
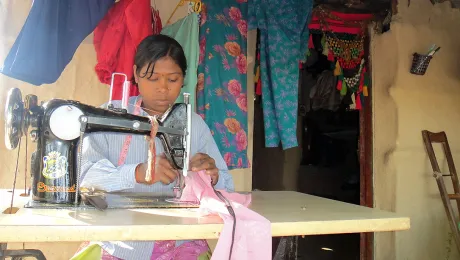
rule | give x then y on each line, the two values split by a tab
153	79
173	80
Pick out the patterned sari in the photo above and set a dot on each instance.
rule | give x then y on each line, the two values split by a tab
163	250
222	77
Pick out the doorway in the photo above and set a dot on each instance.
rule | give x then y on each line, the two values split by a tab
333	159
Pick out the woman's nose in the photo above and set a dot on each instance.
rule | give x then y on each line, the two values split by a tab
163	86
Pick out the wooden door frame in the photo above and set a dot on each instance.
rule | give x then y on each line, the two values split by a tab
365	157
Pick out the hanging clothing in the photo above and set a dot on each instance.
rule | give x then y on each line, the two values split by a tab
306	82
346	23
258	82
185	31
156	21
344	38
49	38
257	79
116	39
222	79
283	42
324	94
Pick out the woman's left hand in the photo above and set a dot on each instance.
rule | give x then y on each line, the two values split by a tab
201	161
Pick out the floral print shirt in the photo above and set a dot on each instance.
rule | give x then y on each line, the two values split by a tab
221	89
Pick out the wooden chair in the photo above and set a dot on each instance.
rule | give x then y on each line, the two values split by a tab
429	138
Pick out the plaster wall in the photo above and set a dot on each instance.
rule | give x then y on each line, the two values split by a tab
403	106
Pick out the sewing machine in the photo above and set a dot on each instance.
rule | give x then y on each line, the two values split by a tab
58	127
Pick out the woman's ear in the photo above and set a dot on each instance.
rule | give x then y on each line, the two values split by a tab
135	74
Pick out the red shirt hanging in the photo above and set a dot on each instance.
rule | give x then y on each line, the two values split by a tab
116	37
157	25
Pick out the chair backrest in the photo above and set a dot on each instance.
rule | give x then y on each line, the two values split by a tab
429	138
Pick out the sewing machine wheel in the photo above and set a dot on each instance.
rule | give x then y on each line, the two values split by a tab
14	117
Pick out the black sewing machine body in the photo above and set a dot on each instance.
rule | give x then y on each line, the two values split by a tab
58	125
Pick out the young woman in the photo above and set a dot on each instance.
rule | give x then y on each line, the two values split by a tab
159	70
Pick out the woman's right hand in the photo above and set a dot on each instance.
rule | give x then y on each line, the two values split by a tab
164	172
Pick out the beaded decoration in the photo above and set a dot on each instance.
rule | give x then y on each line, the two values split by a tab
348	52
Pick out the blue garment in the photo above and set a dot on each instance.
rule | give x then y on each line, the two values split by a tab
222	77
283	26
100	170
50	36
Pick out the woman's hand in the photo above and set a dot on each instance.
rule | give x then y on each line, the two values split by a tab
202	162
164	172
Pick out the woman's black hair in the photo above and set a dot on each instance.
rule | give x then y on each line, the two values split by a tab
155	47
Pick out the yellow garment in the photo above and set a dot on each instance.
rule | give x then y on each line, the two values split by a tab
365	92
338	69
91	252
256	77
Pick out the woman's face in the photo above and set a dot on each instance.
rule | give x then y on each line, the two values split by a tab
161	90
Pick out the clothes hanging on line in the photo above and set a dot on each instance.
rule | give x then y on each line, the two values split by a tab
306	82
343	40
257	79
324	94
186	31
156	21
222	77
283	42
49	38
338	22
116	38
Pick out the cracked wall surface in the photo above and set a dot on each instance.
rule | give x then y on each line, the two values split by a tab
403	106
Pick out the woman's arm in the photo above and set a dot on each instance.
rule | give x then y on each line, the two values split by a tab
98	172
207	145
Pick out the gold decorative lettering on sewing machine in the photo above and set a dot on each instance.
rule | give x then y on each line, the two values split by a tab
58	127
41	187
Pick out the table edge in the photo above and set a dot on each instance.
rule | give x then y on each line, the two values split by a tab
201	231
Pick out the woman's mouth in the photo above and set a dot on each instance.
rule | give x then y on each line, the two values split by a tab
162	102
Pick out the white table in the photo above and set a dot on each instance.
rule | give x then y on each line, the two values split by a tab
290	213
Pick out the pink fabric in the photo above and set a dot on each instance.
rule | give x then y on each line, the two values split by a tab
253	232
166	250
125	147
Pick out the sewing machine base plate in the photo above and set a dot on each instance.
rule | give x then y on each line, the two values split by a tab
121	201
